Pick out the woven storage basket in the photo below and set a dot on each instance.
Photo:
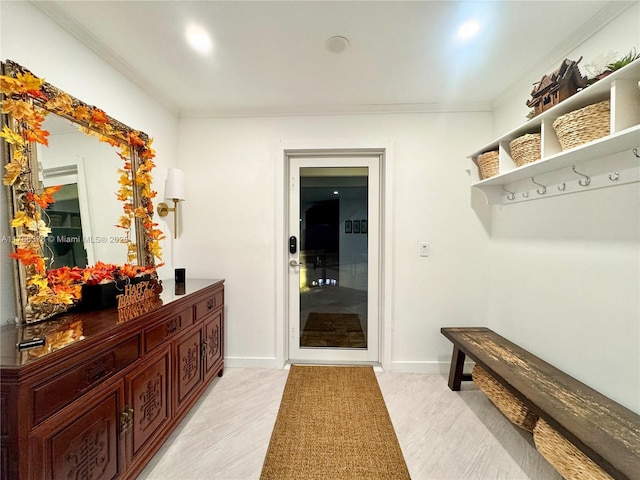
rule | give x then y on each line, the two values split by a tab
488	164
506	402
570	462
525	149
583	125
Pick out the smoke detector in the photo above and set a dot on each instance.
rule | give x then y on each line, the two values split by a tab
337	44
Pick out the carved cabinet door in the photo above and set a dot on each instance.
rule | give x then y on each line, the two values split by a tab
148	388
212	342
187	365
82	442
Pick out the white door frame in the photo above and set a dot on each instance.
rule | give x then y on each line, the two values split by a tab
371	354
383	149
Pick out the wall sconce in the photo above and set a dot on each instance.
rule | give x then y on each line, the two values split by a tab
173	190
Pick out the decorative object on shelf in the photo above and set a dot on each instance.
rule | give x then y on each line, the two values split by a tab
98	296
557	86
525	149
488	164
611	65
583	125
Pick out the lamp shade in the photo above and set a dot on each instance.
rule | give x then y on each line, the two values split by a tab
174	186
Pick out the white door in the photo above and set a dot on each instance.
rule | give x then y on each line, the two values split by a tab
333	258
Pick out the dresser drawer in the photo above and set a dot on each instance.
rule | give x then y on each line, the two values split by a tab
211	303
167	329
51	396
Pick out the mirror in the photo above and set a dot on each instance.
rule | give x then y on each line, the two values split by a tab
80	193
84	216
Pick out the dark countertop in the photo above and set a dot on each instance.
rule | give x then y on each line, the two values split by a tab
74	327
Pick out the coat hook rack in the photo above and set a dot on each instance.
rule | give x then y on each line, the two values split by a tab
614	176
587	178
541	191
511	195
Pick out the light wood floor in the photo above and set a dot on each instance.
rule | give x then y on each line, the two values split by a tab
443	434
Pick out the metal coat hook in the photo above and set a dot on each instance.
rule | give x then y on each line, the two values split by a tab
635	152
614	176
511	195
541	191
525	194
562	187
587	178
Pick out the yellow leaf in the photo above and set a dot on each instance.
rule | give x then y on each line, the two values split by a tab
20	219
43	295
140	212
29	81
18	109
39	280
14	169
124	222
81	113
60	103
11	137
9	85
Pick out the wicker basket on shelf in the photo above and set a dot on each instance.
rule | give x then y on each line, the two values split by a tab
570	462
488	164
507	403
583	125
525	149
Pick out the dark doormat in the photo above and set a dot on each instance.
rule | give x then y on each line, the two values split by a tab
341	330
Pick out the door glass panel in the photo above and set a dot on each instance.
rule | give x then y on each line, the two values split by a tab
333	257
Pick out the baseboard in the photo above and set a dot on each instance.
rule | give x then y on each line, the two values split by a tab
437	368
251	362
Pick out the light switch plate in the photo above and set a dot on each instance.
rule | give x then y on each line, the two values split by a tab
423	249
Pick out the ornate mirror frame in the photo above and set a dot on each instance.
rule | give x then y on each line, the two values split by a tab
26	100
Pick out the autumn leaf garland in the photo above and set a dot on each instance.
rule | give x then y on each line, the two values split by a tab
19	92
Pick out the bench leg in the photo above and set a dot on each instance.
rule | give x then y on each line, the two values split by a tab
457	365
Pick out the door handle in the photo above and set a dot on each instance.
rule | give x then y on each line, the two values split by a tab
294	263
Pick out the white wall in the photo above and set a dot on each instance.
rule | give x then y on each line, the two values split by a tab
31	39
565	271
229	223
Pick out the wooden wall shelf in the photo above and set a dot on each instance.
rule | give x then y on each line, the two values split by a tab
607	161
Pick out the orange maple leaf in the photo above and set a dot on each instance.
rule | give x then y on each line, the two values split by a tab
37	135
46	198
29	256
98	116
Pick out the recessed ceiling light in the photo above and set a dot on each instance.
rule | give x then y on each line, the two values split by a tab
337	44
468	29
335	192
199	39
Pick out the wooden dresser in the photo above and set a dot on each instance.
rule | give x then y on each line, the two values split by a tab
104	393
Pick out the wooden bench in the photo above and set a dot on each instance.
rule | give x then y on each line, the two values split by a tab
605	431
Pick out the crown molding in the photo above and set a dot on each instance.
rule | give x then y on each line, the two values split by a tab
57	14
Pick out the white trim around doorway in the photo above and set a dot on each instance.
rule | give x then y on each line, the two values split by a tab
384	149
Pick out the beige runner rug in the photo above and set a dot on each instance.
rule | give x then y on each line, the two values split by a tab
333	424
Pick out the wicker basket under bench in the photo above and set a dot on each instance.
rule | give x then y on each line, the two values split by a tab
582	433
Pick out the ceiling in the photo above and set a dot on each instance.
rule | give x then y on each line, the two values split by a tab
269	57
